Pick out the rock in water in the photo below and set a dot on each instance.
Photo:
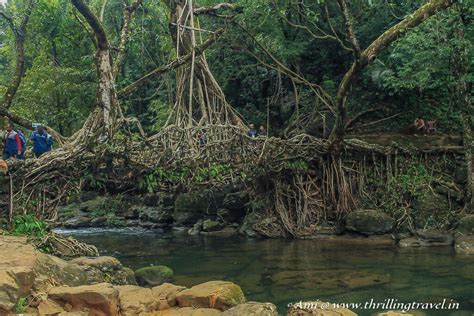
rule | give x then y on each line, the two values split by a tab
220	295
465	244
369	222
189	208
153	276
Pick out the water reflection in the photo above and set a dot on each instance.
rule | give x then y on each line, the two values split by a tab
283	271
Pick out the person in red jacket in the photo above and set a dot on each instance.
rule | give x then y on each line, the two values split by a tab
12	144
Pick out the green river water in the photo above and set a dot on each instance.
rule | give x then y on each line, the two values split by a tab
289	271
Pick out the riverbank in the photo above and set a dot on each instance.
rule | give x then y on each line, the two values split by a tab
89	284
229	214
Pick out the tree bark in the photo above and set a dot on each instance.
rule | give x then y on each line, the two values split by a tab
371	52
103	120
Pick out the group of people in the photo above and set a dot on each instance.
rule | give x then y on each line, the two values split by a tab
253	133
425	128
15	141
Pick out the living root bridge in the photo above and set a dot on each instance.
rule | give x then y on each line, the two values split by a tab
305	184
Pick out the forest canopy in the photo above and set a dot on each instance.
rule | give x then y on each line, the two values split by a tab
268	61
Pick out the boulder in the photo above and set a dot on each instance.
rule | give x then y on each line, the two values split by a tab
220	295
167	292
252	309
225	232
23	269
106	269
189	207
153	276
464	244
430	208
428	238
78	222
318	308
186	311
210	225
234	207
247	228
155	214
103	263
47	307
466	225
196	229
98	299
369	222
135	300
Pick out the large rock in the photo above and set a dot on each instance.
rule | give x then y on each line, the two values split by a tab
247	227
23	269
369	222
318	308
135	300
78	222
167	292
464	244
155	214
153	276
234	207
466	225
221	295
106	269
252	309
185	311
210	226
428	238
189	208
103	263
430	208
99	299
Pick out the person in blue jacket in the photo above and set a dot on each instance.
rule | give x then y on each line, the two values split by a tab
42	141
11	144
22	137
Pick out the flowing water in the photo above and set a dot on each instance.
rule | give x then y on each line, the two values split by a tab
289	271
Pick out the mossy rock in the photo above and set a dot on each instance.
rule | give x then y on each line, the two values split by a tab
369	222
430	210
466	225
211	226
154	276
189	208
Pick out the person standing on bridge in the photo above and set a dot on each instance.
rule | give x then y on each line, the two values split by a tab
23	144
252	131
42	141
11	144
262	132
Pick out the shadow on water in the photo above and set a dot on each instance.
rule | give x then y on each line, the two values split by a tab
284	271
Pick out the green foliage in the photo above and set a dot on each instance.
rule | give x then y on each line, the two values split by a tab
297	165
28	225
21	305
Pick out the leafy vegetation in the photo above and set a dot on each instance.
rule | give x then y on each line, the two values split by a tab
28	225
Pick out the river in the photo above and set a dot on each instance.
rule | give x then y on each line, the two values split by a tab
289	271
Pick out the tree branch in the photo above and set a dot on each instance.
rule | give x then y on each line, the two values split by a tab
173	65
372	51
19	33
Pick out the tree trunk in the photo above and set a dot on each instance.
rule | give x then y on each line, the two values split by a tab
102	122
371	52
